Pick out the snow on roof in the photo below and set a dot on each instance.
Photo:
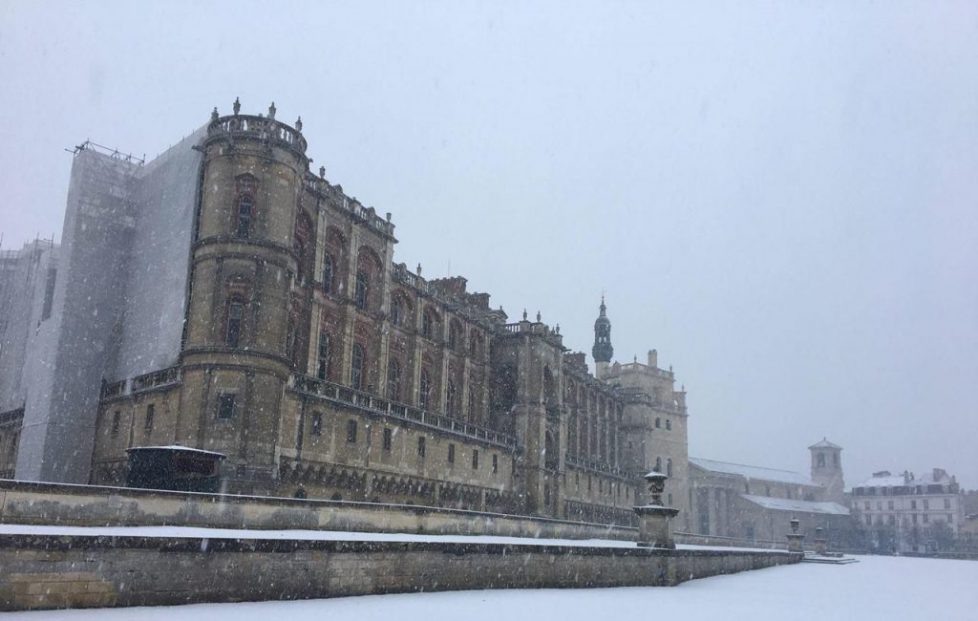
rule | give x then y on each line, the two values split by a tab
798	506
823	443
898	480
176	447
752	472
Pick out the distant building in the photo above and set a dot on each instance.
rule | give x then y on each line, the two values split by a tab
907	513
226	298
756	504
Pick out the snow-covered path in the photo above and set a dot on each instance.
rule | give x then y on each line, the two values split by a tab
877	588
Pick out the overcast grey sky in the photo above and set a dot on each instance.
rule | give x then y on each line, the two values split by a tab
780	198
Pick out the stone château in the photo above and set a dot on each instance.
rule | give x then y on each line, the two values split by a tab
226	297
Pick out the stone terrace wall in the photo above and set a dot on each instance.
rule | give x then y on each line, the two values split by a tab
67	571
88	505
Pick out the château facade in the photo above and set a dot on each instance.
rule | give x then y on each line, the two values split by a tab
225	297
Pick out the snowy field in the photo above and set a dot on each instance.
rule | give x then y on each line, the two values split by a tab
876	588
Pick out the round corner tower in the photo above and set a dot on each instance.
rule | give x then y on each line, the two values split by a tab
247	263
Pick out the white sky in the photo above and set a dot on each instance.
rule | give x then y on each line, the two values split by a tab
780	198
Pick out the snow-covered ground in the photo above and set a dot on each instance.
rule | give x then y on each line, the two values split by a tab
877	588
320	535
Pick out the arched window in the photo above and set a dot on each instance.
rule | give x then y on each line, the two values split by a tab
327	273
472	414
669	466
362	291
668	424
356	367
658	464
232	335
450	395
821	460
427	324
393	380
424	389
658	423
322	358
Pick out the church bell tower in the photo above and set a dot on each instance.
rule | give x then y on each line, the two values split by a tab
602	350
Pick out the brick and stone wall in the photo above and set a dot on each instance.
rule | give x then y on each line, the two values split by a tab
88	505
69	571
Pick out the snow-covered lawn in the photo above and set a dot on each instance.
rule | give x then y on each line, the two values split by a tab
320	535
877	588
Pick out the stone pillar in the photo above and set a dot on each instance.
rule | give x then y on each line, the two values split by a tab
795	539
654	528
821	545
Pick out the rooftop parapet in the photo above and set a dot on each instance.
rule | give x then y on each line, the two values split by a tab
260	128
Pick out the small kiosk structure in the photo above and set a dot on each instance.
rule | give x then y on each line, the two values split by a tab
174	468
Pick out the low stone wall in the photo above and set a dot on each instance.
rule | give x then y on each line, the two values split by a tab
82	571
24	502
732	542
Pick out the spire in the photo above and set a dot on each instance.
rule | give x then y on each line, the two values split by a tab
602	350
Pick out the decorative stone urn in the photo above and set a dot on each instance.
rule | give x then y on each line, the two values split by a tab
794	538
654	528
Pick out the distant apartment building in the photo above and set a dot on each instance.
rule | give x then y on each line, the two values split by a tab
909	513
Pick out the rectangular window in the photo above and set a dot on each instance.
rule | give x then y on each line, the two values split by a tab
116	418
225	405
235	314
361	290
150	413
926	504
947	503
451	453
388	438
421	449
351	431
475	460
926	518
317	424
322	368
913	504
495	464
889	505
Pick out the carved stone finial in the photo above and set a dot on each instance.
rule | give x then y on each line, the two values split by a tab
298	124
557	329
271	111
419	269
538	316
237	106
524	314
214	114
322	172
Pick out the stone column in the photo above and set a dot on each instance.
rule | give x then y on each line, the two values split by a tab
654	528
